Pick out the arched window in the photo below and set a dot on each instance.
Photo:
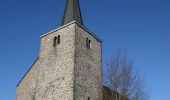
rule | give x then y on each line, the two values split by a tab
88	43
88	98
56	40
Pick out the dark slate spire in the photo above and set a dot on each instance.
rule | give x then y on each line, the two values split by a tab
72	12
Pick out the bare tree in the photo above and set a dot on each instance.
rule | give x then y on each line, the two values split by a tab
124	79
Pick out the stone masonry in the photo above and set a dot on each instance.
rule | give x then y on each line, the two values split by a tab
69	66
68	71
88	67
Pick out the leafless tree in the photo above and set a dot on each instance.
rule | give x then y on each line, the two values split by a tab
124	79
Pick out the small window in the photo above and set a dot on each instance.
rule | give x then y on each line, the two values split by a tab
56	41
88	43
88	98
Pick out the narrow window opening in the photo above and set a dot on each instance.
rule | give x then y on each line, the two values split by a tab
88	43
56	41
88	98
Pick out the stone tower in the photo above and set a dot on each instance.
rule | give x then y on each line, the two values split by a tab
69	66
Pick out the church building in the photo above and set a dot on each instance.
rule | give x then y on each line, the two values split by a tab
69	66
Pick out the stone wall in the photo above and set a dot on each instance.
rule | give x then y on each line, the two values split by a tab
68	71
51	77
88	67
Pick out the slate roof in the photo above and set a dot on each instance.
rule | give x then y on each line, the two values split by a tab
72	12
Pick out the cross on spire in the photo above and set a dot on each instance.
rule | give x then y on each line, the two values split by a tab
72	12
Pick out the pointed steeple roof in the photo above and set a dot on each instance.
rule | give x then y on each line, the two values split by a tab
72	12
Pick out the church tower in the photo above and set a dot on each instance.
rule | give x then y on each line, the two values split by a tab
69	66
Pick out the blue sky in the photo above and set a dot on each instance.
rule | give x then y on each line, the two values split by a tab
141	28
